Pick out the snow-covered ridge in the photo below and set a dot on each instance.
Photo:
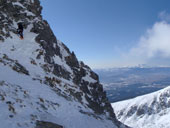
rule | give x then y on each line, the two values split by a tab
148	111
41	80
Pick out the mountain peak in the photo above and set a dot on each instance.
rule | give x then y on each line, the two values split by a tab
41	80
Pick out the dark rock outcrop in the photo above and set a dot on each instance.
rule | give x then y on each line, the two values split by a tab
44	124
84	82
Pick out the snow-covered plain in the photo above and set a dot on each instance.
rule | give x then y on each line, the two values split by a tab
148	111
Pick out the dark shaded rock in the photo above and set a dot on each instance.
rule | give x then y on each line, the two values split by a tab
84	87
21	69
132	110
83	65
72	61
52	81
140	112
94	105
35	7
14	65
44	124
60	72
66	48
94	75
78	75
46	39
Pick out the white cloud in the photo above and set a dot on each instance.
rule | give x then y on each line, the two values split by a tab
156	42
153	48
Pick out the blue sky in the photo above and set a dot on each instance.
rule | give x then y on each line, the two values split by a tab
112	33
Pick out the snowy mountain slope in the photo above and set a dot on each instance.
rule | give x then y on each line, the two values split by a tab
26	100
42	83
148	111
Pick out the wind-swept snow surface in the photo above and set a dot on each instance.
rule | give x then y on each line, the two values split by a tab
148	111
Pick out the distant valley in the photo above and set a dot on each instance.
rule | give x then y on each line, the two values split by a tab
125	83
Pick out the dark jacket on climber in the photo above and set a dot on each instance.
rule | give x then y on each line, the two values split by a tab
20	30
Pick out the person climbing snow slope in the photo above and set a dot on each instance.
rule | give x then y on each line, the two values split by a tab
20	30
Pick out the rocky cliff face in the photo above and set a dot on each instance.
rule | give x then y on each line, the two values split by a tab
41	81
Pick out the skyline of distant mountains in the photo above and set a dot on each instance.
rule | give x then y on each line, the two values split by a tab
125	67
125	83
